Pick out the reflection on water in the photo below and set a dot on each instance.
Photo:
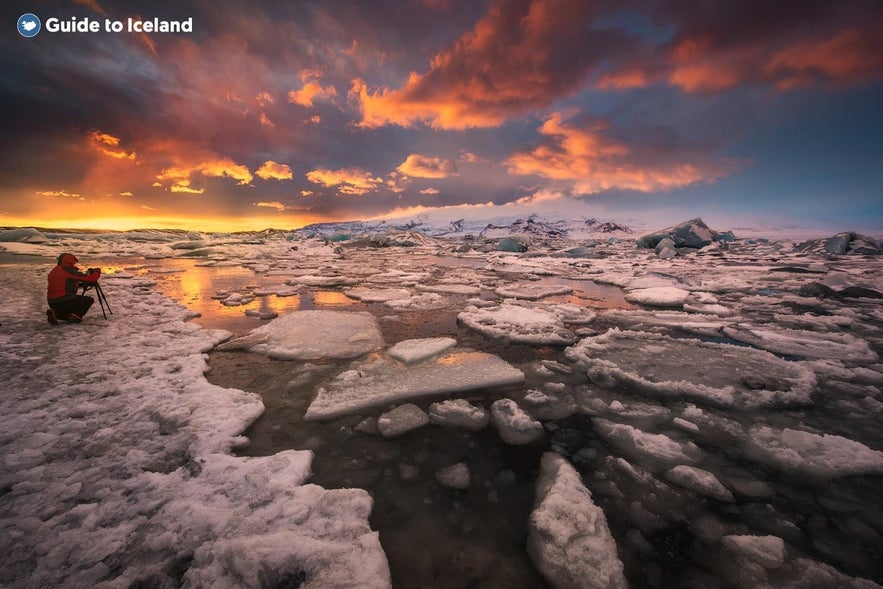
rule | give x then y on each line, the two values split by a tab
198	287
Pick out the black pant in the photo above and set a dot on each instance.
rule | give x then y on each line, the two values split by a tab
77	304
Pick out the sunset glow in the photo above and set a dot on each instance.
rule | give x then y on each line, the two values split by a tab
281	115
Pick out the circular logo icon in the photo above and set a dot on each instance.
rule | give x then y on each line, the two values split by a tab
28	25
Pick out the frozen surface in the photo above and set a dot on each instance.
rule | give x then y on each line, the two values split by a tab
820	456
717	374
515	426
518	324
117	470
401	420
654	451
659	296
459	413
382	380
568	537
700	481
416	350
531	291
808	344
306	335
767	551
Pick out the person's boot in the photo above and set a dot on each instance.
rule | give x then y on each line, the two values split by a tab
51	317
74	318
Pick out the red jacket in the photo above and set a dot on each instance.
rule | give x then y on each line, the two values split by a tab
65	280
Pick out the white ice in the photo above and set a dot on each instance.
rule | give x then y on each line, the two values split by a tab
818	456
568	537
117	465
379	380
518	324
307	335
699	480
717	374
401	420
659	296
459	413
653	451
417	350
807	344
514	425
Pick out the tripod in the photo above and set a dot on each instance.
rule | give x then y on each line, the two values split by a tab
102	300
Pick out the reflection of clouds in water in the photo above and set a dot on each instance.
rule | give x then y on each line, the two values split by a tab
197	287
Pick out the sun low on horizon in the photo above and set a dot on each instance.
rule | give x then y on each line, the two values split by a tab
125	115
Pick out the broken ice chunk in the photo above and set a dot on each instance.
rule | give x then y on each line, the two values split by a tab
459	413
307	335
820	456
516	427
518	324
568	537
701	481
382	380
654	451
416	350
402	419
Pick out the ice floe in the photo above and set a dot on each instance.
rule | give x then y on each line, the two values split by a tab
417	350
307	335
818	456
654	451
518	324
568	538
382	380
514	425
718	374
459	413
807	344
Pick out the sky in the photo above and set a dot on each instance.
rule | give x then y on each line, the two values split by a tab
280	114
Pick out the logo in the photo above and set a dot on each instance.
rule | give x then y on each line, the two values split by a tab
28	25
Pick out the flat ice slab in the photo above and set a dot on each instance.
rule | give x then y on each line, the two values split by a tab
383	380
717	374
818	456
518	324
308	335
416	350
568	538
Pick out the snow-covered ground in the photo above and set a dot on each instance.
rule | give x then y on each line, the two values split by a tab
721	426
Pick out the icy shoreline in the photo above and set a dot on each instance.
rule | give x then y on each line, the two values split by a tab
117	465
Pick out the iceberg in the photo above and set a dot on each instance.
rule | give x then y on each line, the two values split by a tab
693	234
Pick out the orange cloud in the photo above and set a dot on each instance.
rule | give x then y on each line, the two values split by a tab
109	145
851	55
57	194
312	90
421	166
594	162
184	186
509	63
275	171
272	205
352	181
218	168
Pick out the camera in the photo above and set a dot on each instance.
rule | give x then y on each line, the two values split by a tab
91	270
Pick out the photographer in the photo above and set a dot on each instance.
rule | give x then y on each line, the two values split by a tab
61	294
